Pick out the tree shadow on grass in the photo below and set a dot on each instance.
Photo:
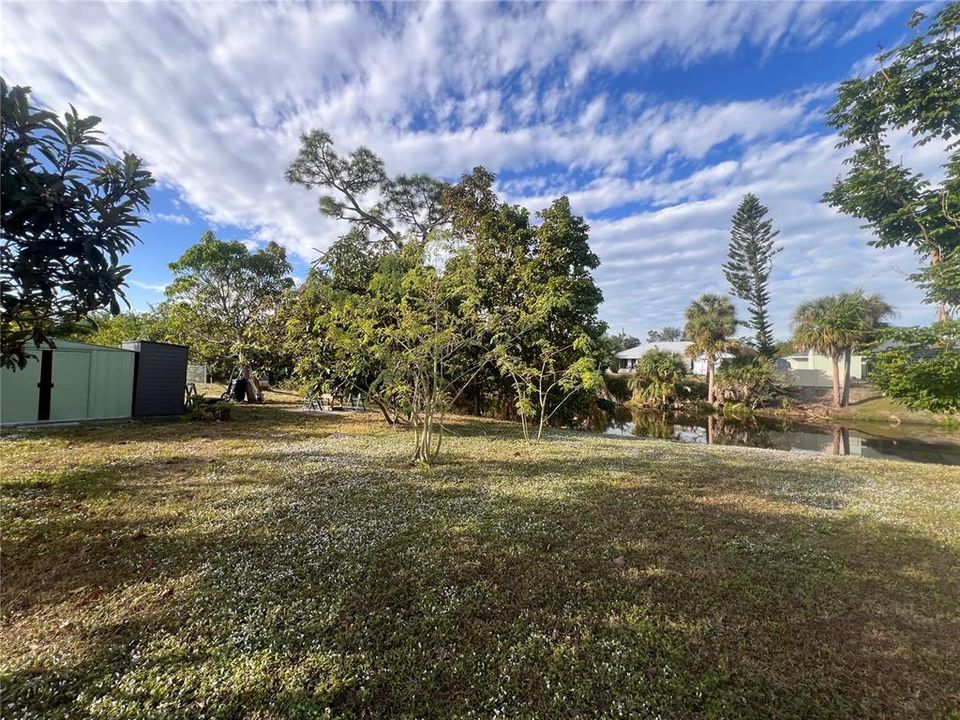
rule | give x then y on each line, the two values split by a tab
536	586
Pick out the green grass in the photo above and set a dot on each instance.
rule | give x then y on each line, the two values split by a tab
284	565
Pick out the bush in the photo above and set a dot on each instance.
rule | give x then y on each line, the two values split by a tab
658	378
922	367
752	382
200	408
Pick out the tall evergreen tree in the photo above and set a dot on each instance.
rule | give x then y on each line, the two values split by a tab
749	265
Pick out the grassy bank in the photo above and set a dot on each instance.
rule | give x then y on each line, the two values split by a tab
286	565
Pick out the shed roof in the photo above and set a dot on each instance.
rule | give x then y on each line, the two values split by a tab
62	344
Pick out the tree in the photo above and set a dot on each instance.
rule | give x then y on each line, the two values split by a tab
554	345
751	381
417	322
359	191
222	293
836	325
711	320
69	213
916	89
537	300
102	328
920	366
657	377
666	334
749	265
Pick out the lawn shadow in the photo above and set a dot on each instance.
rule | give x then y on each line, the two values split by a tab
551	584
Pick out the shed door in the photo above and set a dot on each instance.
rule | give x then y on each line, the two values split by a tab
71	385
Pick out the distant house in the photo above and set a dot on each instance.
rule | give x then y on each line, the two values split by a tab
811	369
697	366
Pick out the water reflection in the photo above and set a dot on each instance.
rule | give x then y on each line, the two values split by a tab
910	444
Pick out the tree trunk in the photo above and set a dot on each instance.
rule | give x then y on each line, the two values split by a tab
845	394
935	257
711	397
835	376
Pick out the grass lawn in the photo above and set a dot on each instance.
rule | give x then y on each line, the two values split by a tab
286	565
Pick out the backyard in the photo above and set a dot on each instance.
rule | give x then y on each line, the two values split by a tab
292	565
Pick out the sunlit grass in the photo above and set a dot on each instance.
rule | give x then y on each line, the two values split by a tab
288	565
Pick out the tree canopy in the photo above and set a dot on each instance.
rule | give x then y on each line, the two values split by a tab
223	293
69	214
915	90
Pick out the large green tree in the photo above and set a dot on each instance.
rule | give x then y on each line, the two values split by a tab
223	294
916	89
69	213
711	322
836	326
749	264
536	296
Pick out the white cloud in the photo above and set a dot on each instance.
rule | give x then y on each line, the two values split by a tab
152	287
215	95
172	218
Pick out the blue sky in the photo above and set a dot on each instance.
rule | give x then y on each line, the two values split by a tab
654	118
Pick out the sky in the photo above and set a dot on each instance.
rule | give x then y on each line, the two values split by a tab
655	119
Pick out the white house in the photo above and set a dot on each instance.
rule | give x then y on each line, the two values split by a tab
811	369
697	366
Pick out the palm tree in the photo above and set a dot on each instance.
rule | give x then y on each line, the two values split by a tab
836	325
657	377
711	320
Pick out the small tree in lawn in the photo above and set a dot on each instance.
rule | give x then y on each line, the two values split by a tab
546	381
222	292
69	213
711	321
836	325
749	265
419	324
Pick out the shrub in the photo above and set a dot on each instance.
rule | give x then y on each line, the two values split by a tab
921	368
750	381
657	380
200	408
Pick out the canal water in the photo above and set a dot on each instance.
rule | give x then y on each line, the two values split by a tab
911	444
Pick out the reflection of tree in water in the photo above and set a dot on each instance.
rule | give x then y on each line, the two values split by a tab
655	425
841	440
747	431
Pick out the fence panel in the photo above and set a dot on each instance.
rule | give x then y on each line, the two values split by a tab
197	373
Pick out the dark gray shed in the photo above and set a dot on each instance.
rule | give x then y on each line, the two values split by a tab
160	377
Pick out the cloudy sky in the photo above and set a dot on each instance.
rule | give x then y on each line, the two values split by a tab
655	119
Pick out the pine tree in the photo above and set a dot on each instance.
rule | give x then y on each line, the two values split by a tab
749	265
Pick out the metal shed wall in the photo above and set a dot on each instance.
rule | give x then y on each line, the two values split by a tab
161	376
87	382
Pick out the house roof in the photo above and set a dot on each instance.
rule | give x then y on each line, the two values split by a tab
635	353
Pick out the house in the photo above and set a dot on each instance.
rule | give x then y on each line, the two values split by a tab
811	369
697	366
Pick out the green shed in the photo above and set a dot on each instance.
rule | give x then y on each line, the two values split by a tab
71	381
